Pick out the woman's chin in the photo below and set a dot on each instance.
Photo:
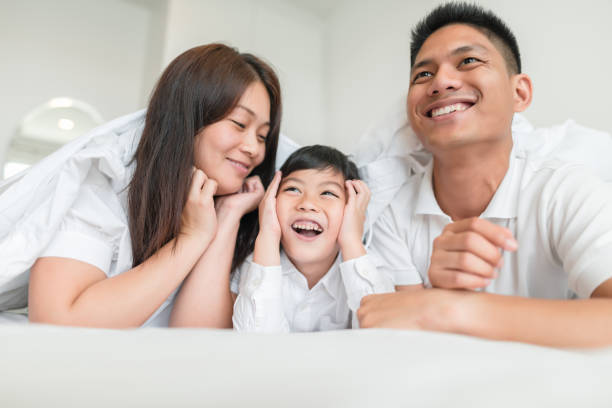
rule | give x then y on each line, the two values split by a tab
228	188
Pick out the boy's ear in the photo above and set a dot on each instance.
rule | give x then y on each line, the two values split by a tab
522	92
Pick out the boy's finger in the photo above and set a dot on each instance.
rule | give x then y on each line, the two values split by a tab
350	191
273	187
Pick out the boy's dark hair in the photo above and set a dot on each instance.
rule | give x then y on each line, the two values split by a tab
319	157
464	13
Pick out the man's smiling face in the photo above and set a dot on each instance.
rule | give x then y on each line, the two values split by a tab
460	92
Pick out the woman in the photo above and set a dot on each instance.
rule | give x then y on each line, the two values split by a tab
213	120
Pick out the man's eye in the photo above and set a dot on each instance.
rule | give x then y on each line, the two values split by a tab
422	74
240	125
469	60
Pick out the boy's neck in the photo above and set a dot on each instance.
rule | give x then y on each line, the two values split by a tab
314	271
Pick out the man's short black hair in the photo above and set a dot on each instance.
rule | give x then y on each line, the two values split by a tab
319	157
465	13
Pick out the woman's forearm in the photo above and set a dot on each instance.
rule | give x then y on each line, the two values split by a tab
125	300
205	299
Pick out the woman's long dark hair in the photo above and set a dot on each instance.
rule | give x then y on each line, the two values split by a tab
200	87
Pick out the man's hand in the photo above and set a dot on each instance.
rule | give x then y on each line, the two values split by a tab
416	309
467	254
351	232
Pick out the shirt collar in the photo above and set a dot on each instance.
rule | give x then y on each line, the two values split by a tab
503	204
331	281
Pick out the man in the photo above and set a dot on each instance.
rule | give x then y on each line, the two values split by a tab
506	238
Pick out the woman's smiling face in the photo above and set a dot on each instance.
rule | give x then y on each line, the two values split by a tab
228	150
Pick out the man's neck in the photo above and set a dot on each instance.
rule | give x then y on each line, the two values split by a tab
465	179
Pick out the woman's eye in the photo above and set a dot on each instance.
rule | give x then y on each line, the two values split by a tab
240	125
263	138
291	189
422	74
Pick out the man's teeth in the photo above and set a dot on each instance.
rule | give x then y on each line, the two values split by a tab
448	109
308	227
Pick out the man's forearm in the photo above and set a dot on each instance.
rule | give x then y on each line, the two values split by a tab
558	323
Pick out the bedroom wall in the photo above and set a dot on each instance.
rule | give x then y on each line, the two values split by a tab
98	52
291	38
564	45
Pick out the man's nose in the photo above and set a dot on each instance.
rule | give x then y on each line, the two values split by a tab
447	78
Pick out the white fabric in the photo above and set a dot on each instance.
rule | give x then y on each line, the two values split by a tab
277	298
561	215
74	204
44	366
390	152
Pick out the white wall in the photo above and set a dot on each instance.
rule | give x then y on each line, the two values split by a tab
98	52
564	46
289	37
341	63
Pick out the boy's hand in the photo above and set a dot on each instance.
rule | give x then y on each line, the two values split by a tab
467	254
266	251
351	231
242	202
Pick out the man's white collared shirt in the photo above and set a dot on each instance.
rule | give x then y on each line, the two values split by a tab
560	214
277	298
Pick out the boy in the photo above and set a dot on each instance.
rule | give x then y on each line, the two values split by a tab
316	210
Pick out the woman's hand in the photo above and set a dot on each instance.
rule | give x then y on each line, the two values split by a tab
351	232
199	218
242	202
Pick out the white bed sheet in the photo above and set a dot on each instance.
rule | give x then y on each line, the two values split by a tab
56	366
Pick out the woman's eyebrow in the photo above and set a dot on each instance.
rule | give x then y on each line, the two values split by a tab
250	112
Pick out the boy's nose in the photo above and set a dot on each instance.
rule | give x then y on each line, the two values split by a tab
307	205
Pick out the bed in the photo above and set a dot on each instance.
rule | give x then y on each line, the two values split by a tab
151	367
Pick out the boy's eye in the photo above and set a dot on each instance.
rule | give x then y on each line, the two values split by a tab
291	189
240	125
329	193
422	74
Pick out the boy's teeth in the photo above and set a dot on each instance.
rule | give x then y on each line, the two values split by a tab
307	227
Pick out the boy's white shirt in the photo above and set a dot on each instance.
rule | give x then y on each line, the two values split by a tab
277	298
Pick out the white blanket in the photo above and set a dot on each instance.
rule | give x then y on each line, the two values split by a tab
67	367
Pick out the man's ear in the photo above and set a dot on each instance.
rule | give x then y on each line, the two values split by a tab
522	92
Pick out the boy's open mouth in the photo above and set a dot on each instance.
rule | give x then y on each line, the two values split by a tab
306	228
